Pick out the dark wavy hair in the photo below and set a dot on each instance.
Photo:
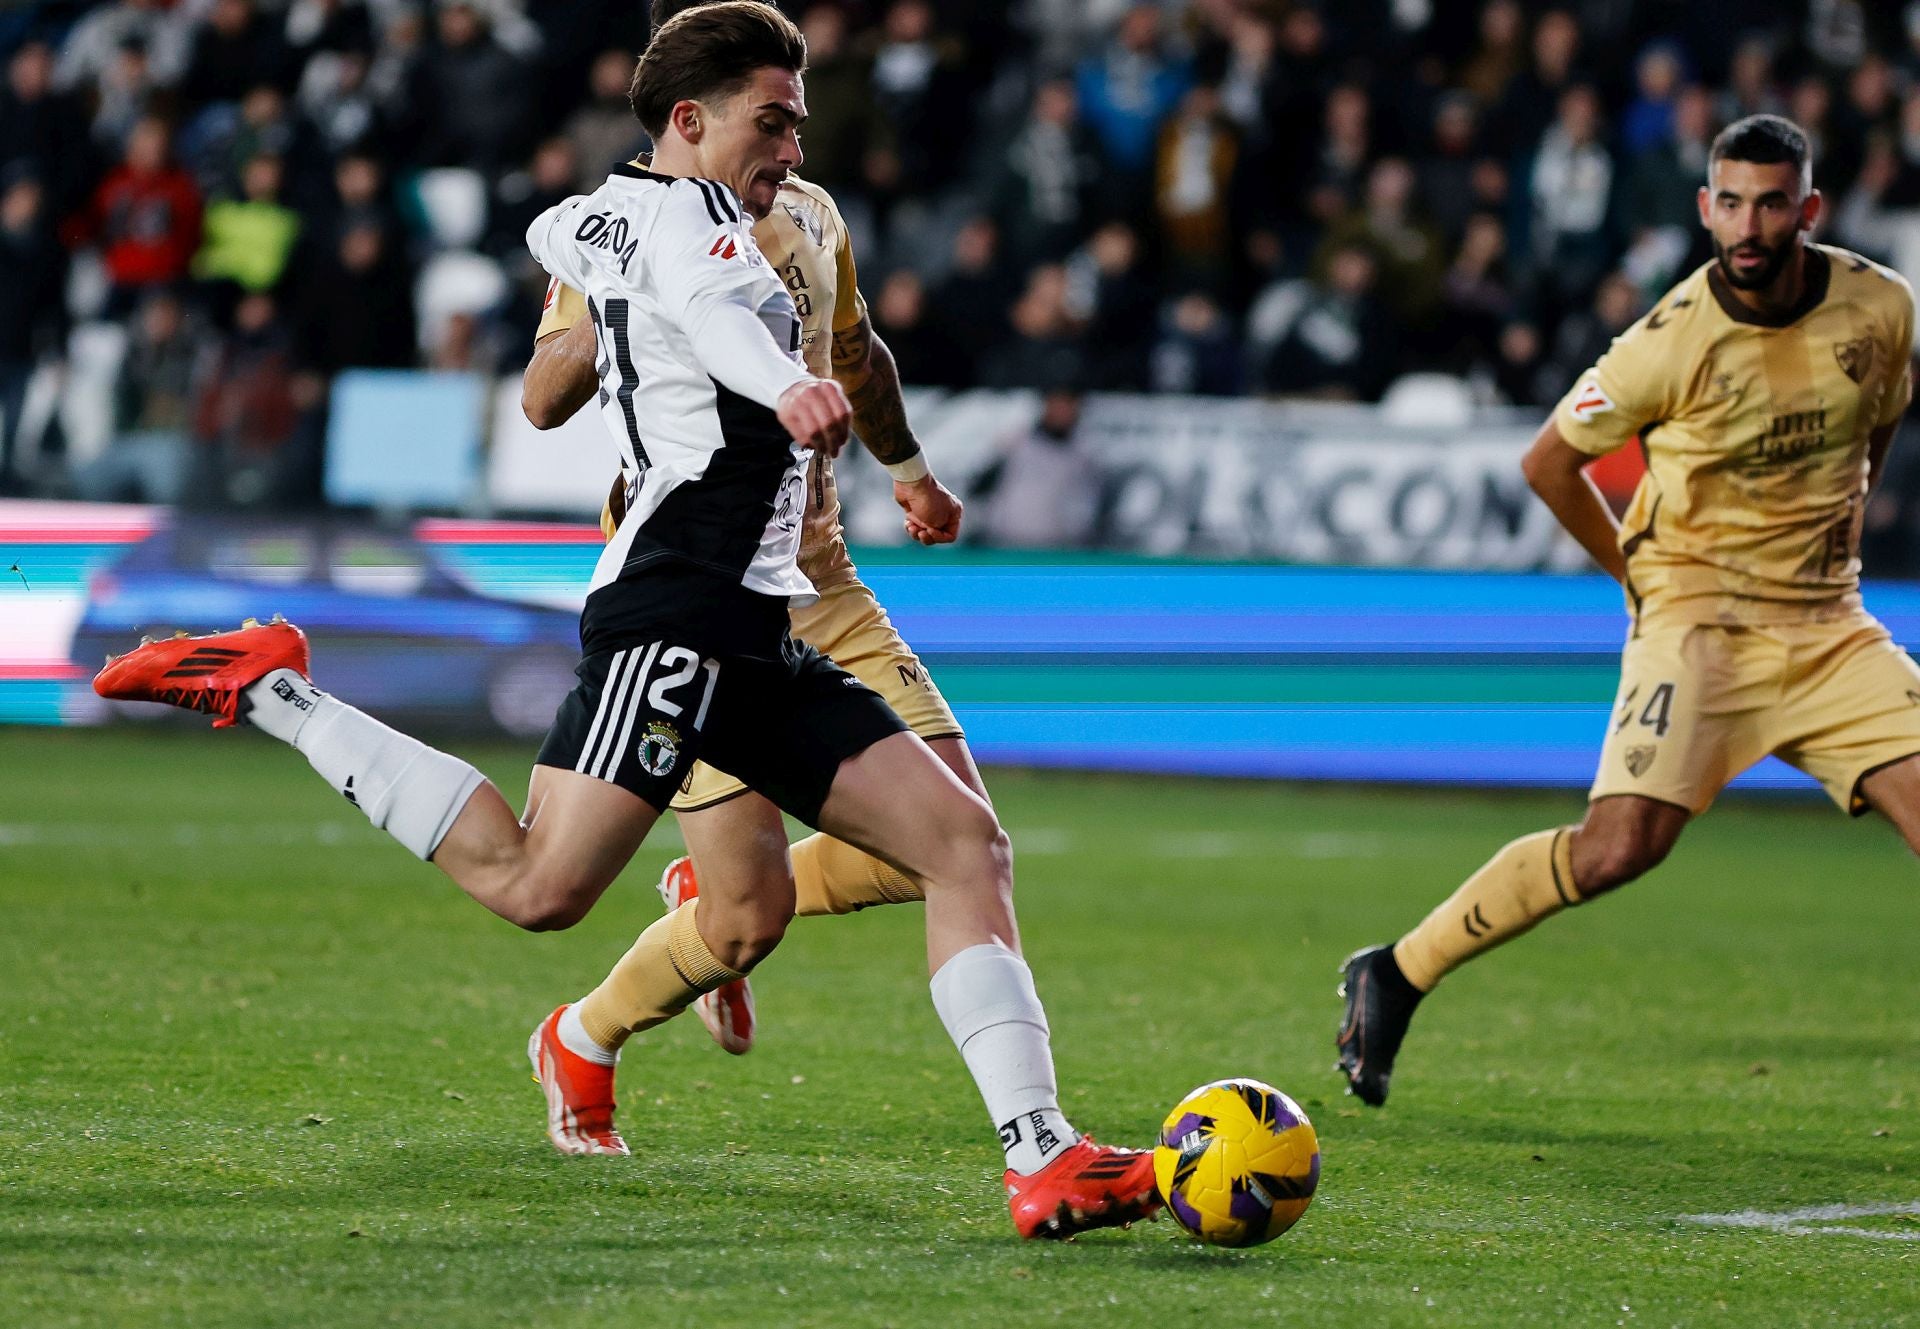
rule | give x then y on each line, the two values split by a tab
709	52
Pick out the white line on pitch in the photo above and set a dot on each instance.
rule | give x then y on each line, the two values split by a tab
1820	1220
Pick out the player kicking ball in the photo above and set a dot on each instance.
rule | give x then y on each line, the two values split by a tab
685	638
737	853
1765	389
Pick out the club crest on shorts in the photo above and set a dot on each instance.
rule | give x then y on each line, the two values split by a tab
1854	357
1639	759
659	748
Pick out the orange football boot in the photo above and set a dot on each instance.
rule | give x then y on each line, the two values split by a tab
727	1011
579	1093
1089	1186
204	673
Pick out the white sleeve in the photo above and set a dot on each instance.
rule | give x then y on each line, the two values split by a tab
549	239
734	346
716	285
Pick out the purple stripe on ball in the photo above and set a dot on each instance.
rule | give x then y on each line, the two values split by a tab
1189	1216
1189	1123
1246	1205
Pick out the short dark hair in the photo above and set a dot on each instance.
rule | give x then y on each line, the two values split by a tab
1767	140
710	51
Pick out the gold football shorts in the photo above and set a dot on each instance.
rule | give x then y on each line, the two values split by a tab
1700	703
850	628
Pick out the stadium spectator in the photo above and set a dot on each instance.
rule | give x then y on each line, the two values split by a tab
1476	297
1111	291
43	130
1198	352
842	118
971	299
603	131
247	413
1569	197
1045	348
1445	172
357	307
1325	337
1042	490
247	240
1193	190
919	93
1406	248
1127	91
96	40
124	93
149	456
477	105
1529	103
920	347
32	314
235	48
1043	189
1584	335
144	218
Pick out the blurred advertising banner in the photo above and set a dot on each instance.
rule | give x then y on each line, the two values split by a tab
1083	660
1202	477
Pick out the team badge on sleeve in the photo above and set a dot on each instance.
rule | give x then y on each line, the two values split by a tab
1590	400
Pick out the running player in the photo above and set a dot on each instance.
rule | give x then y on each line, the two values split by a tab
735	838
685	635
1764	389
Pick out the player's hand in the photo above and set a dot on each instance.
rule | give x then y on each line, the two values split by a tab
816	412
933	511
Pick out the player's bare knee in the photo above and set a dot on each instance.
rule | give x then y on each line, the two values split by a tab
547	902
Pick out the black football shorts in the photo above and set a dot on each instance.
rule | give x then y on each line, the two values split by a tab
642	715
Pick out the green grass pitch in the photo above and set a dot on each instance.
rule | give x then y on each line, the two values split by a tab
258	1067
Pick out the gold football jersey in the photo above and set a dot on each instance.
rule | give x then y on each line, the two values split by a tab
806	241
1755	433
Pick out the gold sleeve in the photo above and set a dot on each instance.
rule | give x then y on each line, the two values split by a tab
564	308
1899	368
1628	388
849	306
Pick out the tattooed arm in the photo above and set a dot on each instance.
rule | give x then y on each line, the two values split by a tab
864	366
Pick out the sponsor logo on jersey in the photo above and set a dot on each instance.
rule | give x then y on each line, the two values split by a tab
1044	1138
286	692
1640	759
806	219
659	748
1855	357
1590	400
1789	437
1010	1133
724	248
553	289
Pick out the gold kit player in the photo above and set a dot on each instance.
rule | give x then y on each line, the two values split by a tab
686	644
735	838
1764	389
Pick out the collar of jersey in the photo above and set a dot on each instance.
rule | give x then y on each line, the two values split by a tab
1819	276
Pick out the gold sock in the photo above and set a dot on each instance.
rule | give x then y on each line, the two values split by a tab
1528	880
832	877
666	969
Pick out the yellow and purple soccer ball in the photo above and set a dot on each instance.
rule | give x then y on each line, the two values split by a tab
1237	1162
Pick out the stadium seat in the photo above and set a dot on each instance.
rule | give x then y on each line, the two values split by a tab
1428	399
454	201
460	282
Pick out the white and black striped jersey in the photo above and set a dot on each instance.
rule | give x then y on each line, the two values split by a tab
698	338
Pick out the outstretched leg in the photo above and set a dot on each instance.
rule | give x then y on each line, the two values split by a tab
1535	877
897	801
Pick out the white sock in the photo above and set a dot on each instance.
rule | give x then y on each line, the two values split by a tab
575	1039
404	787
985	998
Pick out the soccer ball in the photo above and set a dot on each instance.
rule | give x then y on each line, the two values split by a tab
1237	1162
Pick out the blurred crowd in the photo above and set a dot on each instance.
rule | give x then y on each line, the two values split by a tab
208	208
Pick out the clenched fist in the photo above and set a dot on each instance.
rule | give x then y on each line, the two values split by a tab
816	412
